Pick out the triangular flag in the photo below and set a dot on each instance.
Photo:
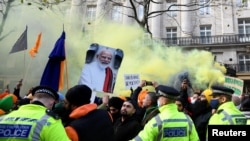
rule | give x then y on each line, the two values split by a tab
34	49
21	43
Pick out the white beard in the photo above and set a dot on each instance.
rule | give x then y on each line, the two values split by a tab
102	66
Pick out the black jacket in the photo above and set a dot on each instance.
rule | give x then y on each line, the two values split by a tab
95	126
126	130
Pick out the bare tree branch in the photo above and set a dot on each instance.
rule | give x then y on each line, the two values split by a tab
147	14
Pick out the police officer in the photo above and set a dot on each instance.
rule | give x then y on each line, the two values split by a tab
34	121
169	124
227	113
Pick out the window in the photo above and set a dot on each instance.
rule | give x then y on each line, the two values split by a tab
91	12
205	10
244	26
171	35
241	3
205	33
170	4
244	29
117	13
140	12
244	62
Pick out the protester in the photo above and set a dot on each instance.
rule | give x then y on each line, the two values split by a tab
150	104
168	120
87	122
7	103
245	109
34	121
201	113
179	102
17	89
194	97
114	107
145	100
236	100
127	126
186	102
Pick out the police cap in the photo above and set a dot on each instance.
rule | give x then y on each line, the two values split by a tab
168	92
45	90
221	90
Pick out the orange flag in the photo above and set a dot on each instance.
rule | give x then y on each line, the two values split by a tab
34	49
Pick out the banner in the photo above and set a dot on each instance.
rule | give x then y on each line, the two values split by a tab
131	81
101	67
235	84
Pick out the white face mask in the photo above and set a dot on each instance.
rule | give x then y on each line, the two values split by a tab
158	104
193	100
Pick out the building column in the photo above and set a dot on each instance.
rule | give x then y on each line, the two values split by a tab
227	20
76	13
101	7
127	11
156	21
186	19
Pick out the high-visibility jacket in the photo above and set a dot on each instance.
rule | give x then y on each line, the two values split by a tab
228	114
169	125
31	122
247	115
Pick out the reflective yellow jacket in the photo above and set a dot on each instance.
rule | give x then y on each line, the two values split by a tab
228	114
31	123
169	125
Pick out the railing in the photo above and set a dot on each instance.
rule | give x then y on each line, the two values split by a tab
239	68
208	40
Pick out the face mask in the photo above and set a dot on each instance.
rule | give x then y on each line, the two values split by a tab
158	104
199	106
193	100
214	103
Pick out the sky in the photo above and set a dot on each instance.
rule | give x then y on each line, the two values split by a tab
153	63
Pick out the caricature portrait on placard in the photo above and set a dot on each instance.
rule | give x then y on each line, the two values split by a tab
101	66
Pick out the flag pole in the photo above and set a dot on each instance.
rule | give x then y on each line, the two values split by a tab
32	53
66	66
24	56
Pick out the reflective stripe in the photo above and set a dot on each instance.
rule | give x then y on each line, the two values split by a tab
230	117
39	127
243	116
172	120
190	123
159	123
137	138
227	117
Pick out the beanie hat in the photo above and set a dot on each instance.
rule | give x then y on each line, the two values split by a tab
207	93
79	95
6	103
182	100
134	103
115	102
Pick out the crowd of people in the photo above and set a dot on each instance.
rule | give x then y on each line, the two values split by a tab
164	113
